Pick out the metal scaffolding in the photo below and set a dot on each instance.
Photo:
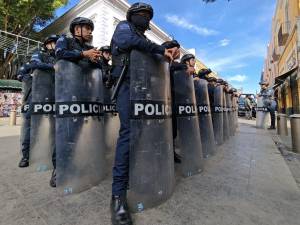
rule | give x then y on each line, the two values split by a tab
15	49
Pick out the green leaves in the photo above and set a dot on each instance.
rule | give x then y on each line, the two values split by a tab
20	16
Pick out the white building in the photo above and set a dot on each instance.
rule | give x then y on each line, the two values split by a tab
105	14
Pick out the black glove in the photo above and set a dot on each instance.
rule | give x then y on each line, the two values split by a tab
110	82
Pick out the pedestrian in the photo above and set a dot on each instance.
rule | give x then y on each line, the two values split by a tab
268	101
248	107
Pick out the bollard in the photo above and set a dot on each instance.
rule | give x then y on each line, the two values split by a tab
295	128
282	129
12	118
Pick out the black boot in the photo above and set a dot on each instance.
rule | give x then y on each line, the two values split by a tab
177	158
53	179
119	211
271	128
24	162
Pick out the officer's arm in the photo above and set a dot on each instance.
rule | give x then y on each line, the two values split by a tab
37	63
20	74
62	51
125	38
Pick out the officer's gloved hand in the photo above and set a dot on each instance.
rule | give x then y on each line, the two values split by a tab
191	70
110	82
92	54
169	54
20	78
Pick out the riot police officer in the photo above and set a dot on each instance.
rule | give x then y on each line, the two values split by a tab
212	81
44	60
24	75
76	48
105	57
128	35
189	60
174	66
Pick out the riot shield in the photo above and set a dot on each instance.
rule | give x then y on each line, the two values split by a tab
42	134
235	113
230	114
188	131
262	118
80	151
26	110
151	167
217	115
205	118
111	122
225	118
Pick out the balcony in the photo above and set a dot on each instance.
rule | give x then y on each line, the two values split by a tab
283	33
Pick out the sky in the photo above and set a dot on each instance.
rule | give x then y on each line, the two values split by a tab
229	37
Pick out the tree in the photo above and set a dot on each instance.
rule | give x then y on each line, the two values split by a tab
22	17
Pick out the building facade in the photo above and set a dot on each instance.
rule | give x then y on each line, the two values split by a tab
105	14
281	67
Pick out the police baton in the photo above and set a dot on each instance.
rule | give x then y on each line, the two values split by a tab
118	84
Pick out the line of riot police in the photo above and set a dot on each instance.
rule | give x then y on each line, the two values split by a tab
148	108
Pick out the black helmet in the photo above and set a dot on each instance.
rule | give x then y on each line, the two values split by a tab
81	21
187	57
204	72
138	7
51	38
171	44
231	90
211	79
105	48
220	81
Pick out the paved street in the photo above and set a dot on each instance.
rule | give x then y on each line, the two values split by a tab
247	182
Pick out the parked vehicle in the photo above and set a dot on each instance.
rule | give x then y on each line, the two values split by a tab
241	105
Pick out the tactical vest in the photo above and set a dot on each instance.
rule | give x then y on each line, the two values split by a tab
46	57
123	56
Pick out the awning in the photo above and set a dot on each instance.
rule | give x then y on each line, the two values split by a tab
10	85
280	79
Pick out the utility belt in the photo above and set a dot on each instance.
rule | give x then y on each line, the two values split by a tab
121	60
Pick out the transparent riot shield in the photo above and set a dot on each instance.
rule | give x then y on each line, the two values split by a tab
111	123
262	115
42	134
188	131
217	115
235	112
230	114
80	150
151	167
26	110
225	118
205	118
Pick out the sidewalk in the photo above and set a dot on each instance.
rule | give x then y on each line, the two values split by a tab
246	183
